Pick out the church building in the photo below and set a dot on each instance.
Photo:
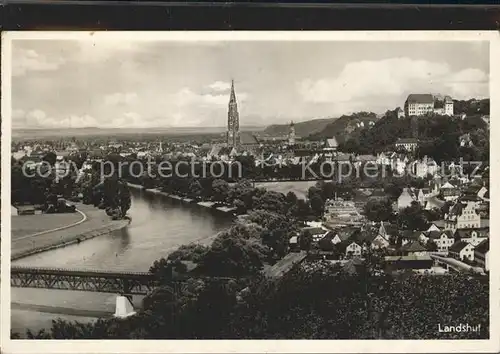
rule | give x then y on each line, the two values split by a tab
243	141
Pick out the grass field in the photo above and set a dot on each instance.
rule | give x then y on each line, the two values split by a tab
23	225
21	241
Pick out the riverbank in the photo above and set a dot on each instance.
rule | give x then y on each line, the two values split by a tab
205	204
95	223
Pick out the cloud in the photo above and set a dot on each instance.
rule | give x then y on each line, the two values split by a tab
469	83
118	98
364	80
220	86
371	78
18	113
25	60
186	96
37	118
100	51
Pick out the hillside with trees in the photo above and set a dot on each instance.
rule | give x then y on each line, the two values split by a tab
472	107
438	135
301	128
346	125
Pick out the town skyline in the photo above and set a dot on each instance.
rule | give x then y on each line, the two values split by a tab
52	87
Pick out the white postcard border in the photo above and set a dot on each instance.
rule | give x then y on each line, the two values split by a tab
217	346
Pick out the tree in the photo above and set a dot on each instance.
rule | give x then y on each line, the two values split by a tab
291	198
270	201
301	210
50	157
378	210
232	255
412	218
317	205
220	190
431	246
305	240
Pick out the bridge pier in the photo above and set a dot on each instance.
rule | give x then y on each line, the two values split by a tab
124	307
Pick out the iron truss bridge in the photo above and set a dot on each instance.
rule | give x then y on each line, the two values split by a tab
127	283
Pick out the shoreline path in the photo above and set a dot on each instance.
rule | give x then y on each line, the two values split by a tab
40	232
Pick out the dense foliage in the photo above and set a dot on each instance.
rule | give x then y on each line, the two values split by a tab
438	135
319	302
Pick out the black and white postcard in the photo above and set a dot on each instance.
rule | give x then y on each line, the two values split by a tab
235	187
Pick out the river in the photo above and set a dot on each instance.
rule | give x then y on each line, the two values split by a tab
159	225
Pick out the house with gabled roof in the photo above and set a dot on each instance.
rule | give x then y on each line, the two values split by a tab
462	250
408	236
442	239
406	144
376	240
472	236
349	248
331	144
464	214
433	227
482	254
317	233
384	159
449	192
405	198
414	248
344	234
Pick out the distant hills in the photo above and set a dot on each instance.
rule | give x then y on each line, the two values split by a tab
346	125
315	129
28	133
302	129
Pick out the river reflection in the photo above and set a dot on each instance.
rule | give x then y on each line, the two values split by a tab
159	225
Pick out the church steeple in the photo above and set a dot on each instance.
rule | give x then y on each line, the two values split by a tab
233	95
233	120
291	134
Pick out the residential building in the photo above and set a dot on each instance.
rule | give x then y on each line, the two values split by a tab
341	212
443	239
409	236
405	199
414	248
484	194
317	233
349	248
472	236
462	250
433	227
463	214
482	254
400	112
449	192
377	241
344	234
331	144
384	159
465	140
407	144
425	166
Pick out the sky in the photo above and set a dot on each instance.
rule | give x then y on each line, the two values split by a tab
110	83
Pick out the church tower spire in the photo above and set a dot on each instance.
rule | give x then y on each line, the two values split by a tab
233	120
291	134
